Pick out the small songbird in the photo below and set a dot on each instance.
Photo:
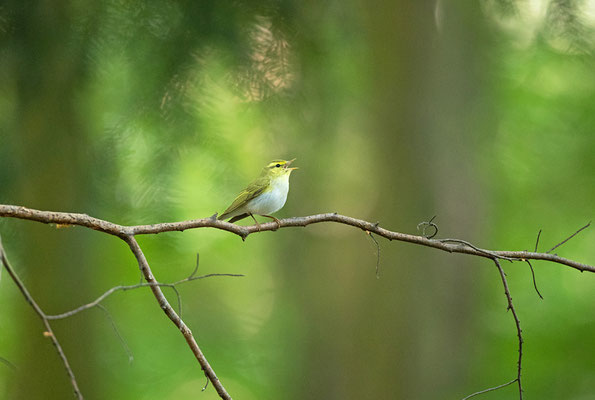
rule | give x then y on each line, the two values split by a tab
266	195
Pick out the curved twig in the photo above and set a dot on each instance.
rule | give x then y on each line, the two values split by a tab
517	322
489	389
533	277
425	224
510	306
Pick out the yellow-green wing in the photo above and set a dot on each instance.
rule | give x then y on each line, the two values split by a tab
253	190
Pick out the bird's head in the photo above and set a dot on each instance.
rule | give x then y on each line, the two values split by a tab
278	168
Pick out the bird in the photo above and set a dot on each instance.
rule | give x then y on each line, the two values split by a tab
265	195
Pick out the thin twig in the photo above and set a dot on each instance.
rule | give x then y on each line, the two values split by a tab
537	241
178	299
517	322
377	254
206	384
48	329
117	332
6	362
196	267
568	238
427	224
490	389
488	253
533	276
114	289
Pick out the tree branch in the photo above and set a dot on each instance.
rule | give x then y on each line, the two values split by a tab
48	329
123	288
127	233
62	218
175	318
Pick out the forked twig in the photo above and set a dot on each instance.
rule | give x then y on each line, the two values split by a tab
125	288
97	303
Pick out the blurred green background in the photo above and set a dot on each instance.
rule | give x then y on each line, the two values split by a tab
137	112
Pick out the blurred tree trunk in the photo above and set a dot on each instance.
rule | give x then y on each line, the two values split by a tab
403	336
427	91
53	162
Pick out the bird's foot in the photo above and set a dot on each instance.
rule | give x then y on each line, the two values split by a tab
276	220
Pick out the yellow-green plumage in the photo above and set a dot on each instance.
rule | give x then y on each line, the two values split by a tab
265	195
253	190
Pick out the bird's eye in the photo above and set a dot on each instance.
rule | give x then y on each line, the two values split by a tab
278	165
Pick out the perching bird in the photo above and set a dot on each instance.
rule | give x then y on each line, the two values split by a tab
266	195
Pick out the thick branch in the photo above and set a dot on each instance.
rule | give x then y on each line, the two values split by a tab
455	246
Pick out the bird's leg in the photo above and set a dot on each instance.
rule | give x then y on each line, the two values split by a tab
257	224
276	220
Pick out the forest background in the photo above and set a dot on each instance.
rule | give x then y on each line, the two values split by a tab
137	112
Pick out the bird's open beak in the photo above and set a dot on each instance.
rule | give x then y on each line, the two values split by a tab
288	163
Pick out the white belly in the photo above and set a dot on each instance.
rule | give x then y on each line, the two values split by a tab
271	201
